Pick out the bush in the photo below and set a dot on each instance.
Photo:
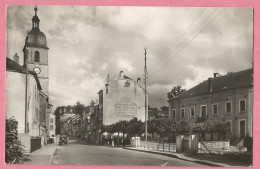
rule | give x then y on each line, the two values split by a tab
13	147
248	142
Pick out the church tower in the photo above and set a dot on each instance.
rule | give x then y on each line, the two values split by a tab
36	53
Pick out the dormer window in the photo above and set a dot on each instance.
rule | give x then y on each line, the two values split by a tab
127	84
37	56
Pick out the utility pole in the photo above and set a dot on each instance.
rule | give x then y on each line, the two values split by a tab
145	77
26	84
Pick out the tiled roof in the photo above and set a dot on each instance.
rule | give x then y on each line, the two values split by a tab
12	65
223	83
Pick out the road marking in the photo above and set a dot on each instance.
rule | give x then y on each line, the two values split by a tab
165	163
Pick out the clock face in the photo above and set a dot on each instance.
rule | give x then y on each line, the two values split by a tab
37	70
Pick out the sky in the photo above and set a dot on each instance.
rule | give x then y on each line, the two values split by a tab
185	46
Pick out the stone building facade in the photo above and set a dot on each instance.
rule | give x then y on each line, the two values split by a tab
227	99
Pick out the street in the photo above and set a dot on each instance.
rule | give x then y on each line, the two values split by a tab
79	153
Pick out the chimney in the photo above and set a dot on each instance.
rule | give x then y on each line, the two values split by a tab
210	85
138	79
121	74
216	75
16	58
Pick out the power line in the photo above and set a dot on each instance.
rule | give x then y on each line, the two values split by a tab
186	30
168	58
181	44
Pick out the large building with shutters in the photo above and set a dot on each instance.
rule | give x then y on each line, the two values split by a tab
227	99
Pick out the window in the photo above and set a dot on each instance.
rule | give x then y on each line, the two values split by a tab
51	127
242	105
215	109
229	126
37	56
203	111
127	84
173	113
182	112
242	128
192	112
51	120
228	107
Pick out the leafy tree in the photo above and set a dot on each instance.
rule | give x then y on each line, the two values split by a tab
201	119
13	147
151	126
136	127
199	128
221	129
177	90
117	129
182	127
163	127
124	128
210	127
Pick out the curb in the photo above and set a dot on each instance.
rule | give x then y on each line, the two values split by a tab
211	164
52	156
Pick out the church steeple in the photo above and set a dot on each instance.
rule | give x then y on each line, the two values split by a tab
35	19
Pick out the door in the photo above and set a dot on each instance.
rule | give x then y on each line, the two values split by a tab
242	128
185	146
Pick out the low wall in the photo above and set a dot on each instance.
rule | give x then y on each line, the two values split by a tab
219	147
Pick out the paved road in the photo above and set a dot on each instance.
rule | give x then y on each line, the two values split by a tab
78	153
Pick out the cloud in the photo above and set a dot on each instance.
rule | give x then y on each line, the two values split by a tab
184	46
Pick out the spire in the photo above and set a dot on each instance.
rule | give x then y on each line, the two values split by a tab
35	9
35	19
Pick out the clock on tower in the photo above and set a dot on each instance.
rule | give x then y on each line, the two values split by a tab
36	53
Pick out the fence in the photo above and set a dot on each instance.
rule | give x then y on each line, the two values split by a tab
158	146
35	143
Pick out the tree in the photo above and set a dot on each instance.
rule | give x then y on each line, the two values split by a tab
117	129
13	147
136	127
163	127
151	126
201	119
210	127
221	129
124	128
177	90
199	129
182	127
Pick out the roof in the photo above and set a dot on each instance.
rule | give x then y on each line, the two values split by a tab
126	77
36	38
12	65
15	67
223	83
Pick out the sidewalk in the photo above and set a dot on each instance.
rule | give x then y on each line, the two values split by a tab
43	155
184	157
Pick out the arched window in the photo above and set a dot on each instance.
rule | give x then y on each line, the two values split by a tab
37	56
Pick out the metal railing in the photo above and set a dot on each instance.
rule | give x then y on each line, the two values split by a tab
158	146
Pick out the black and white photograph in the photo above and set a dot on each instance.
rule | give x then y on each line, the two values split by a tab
129	86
